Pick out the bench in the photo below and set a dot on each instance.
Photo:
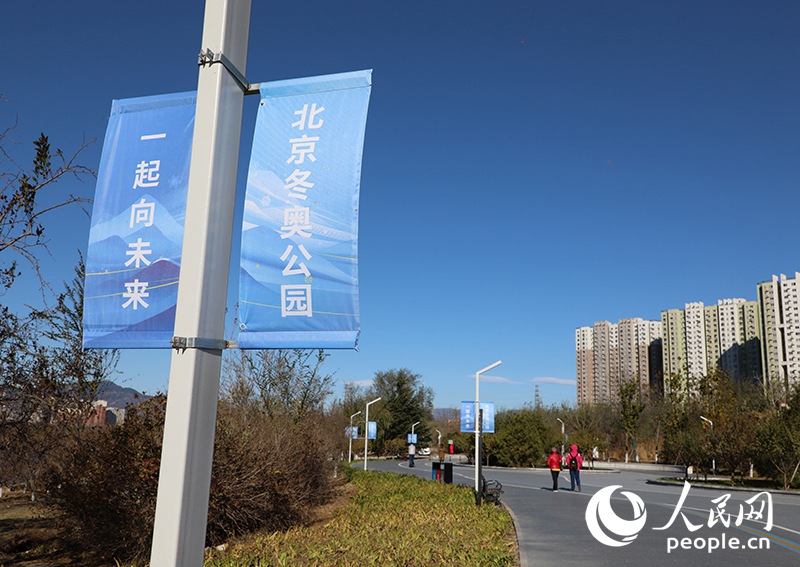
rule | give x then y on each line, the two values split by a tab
491	490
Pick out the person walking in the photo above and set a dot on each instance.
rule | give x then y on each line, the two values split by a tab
554	464
574	464
411	451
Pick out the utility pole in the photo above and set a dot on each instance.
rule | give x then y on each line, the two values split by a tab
185	475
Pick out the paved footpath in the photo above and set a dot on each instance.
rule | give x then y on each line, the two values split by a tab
552	527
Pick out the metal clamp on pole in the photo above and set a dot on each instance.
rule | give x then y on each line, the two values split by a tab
182	343
209	58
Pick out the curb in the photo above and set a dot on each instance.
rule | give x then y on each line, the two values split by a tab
680	481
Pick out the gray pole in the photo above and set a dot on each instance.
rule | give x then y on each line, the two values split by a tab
185	475
366	431
350	450
477	427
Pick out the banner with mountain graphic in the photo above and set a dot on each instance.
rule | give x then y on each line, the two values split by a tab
298	282
136	235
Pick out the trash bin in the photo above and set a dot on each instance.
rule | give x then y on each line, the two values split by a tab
448	472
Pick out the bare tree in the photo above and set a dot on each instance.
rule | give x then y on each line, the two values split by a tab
281	383
23	207
47	383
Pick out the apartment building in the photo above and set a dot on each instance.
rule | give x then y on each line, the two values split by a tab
673	328
750	340
733	338
584	365
779	305
608	354
701	338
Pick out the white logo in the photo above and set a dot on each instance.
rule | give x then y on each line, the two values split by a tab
600	518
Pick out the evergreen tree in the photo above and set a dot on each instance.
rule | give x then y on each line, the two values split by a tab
405	401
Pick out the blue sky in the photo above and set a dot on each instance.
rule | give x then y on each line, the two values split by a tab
529	166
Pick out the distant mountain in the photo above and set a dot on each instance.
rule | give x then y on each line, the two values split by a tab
118	397
443	414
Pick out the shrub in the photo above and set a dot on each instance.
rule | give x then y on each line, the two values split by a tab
267	474
107	484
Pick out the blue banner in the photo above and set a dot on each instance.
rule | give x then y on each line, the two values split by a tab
412	437
136	235
351	432
468	417
298	283
372	430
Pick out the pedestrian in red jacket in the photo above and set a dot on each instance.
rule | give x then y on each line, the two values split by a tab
574	464
554	464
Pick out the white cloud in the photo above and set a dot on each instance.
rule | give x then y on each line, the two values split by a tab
550	380
360	382
498	379
495	379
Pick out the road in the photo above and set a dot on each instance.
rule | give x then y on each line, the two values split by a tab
552	527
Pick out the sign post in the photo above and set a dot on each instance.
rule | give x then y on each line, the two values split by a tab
185	475
478	427
367	426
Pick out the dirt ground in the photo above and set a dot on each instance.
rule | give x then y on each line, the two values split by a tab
31	535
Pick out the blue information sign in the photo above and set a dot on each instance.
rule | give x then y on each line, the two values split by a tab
468	417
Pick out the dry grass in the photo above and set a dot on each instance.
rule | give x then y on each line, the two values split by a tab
389	520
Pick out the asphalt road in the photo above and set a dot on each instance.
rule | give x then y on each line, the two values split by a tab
552	527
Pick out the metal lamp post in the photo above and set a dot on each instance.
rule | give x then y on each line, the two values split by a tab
478	424
563	436
713	455
413	425
366	430
350	450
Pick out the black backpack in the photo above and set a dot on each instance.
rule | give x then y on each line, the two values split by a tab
573	462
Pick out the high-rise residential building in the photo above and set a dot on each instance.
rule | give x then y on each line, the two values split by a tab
779	303
700	338
608	354
696	358
605	360
673	329
733	338
584	365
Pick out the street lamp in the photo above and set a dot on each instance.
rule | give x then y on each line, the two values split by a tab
439	443
350	450
366	430
713	455
563	436
413	425
478	426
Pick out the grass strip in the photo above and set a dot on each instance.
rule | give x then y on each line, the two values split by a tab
392	519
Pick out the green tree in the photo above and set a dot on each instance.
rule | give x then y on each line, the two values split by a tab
684	437
778	454
590	427
404	401
733	408
519	440
630	410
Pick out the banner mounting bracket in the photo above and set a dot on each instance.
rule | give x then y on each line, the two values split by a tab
208	57
183	343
